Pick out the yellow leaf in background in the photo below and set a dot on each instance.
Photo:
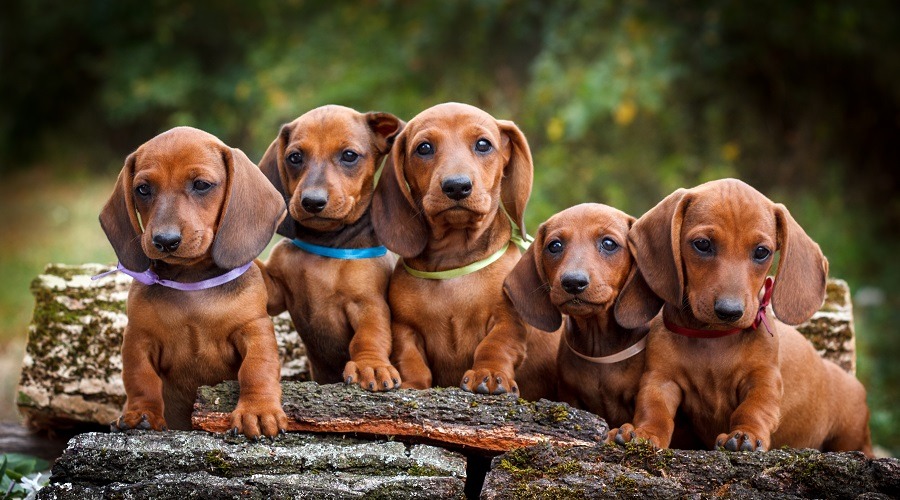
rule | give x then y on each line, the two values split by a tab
555	129
731	151
242	91
625	112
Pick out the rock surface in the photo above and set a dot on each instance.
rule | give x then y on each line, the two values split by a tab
195	464
831	328
447	417
638	471
72	371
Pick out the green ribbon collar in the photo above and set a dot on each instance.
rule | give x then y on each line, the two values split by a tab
516	238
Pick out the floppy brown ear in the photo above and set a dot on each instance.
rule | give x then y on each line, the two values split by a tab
251	211
119	221
802	272
655	243
272	166
385	127
399	223
518	175
529	292
636	303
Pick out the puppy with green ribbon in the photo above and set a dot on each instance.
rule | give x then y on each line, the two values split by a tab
451	203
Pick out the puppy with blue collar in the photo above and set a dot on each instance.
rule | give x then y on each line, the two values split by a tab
331	271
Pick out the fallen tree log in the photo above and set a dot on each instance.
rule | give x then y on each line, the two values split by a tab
194	464
71	374
446	417
639	471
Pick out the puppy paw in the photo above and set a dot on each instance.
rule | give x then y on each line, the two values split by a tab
740	441
140	420
372	376
258	419
628	433
484	381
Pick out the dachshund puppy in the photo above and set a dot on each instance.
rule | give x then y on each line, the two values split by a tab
744	380
576	266
332	272
187	217
448	200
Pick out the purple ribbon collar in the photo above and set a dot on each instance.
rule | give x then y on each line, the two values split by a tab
148	277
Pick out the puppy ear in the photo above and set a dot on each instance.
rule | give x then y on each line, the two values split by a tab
655	244
399	223
518	175
272	166
251	211
529	292
636	303
802	272
120	223
385	128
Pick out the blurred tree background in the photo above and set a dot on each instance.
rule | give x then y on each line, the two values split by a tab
622	102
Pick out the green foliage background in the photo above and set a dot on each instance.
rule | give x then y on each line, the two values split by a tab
622	102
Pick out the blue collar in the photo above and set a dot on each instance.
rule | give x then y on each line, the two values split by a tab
340	253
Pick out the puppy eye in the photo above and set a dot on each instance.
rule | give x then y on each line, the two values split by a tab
608	244
201	186
142	190
761	253
425	149
483	145
295	159
555	246
349	157
702	245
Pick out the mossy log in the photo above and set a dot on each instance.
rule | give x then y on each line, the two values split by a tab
199	465
638	471
447	417
72	371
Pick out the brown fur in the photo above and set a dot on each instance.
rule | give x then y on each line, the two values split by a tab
751	390
461	329
339	307
176	340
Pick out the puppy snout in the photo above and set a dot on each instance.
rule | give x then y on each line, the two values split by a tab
729	309
314	201
575	282
457	187
166	242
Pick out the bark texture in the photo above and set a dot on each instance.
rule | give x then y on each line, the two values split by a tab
447	417
638	471
198	465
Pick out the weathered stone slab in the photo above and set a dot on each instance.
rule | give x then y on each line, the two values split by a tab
194	464
638	471
72	371
448	417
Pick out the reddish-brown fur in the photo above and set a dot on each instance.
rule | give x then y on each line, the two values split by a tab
752	390
339	307
460	331
176	340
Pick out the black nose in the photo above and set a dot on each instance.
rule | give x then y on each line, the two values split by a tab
575	282
314	201
457	187
729	309
166	242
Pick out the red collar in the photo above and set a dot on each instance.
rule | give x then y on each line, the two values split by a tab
761	319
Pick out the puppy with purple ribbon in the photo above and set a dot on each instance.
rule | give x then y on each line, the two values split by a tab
186	219
331	272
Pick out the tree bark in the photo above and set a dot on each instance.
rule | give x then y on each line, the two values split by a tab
446	417
638	471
